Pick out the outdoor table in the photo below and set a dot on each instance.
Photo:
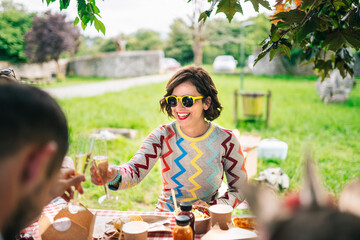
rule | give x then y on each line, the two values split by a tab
52	209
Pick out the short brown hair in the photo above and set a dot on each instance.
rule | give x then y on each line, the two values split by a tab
204	85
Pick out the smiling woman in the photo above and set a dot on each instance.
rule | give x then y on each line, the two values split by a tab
195	153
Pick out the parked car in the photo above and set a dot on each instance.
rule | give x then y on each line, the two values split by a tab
224	63
169	64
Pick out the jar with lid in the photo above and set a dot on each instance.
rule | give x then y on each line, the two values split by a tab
182	230
186	209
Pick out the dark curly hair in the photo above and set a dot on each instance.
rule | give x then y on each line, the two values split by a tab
204	85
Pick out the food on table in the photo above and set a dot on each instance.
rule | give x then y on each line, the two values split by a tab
244	222
118	224
200	212
135	218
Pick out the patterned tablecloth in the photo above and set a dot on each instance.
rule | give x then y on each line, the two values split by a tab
52	209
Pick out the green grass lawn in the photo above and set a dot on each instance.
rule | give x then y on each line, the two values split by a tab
298	117
69	81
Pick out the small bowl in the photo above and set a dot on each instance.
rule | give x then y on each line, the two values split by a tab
202	225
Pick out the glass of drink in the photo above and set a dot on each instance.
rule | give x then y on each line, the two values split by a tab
84	148
101	162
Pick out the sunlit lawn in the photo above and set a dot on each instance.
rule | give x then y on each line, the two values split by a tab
69	81
298	117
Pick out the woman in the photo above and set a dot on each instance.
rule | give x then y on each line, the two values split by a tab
195	153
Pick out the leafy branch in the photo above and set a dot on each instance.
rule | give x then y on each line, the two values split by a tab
88	13
324	29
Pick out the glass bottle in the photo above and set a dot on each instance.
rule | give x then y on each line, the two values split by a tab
186	208
182	230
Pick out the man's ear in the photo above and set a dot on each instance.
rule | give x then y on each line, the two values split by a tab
207	103
37	162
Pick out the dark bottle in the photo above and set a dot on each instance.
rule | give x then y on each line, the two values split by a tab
186	208
182	230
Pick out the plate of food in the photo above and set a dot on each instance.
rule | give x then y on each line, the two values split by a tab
244	221
112	228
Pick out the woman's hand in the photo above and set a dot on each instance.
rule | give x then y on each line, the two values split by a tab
95	176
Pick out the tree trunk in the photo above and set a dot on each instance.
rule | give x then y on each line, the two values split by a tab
197	33
57	66
198	37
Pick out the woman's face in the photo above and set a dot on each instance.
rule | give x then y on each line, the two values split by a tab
188	116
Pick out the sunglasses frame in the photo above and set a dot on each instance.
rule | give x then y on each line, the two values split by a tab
181	100
7	72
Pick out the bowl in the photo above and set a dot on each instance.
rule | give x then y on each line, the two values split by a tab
202	225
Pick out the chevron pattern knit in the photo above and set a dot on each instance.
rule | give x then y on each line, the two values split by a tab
193	167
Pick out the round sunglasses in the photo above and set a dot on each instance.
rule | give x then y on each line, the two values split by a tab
7	71
186	101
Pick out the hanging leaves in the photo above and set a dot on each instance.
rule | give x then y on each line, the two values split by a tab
229	7
88	13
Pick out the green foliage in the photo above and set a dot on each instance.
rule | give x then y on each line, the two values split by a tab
88	13
230	7
224	38
108	45
179	44
323	29
14	23
298	117
144	39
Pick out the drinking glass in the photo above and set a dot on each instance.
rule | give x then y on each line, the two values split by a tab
84	148
101	162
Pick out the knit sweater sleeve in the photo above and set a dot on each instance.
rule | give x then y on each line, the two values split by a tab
134	171
235	173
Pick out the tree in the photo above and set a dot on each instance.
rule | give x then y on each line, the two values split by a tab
223	38
324	29
144	39
14	23
50	36
197	32
179	44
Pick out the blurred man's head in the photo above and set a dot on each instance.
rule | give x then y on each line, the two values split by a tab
33	143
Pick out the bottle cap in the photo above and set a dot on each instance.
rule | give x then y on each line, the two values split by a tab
182	220
185	206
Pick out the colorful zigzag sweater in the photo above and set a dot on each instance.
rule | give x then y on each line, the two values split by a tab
193	167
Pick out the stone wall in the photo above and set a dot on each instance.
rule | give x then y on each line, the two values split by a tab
279	65
112	65
117	64
35	70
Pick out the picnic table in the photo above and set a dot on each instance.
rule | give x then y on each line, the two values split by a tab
52	209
